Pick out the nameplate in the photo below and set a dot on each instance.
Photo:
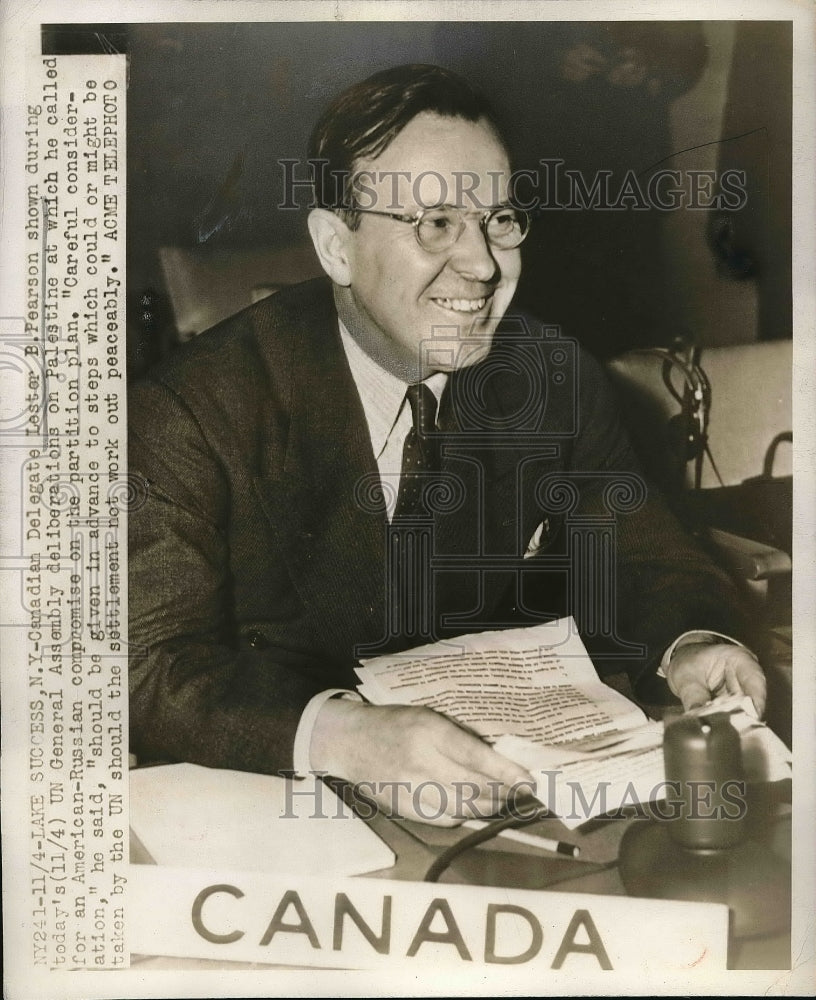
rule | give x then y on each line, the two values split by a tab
363	923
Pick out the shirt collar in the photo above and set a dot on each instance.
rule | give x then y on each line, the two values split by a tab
381	393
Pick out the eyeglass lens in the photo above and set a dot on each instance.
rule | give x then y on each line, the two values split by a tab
439	228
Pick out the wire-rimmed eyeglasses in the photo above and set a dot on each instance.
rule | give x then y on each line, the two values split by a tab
437	229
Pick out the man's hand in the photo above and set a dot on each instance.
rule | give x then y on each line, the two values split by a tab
698	672
414	762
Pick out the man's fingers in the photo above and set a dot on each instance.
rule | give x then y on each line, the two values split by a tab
752	682
743	675
732	683
693	693
480	781
414	762
450	797
699	672
477	756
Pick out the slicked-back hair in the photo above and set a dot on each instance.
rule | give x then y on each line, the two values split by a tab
363	121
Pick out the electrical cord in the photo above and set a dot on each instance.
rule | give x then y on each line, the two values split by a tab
510	821
694	402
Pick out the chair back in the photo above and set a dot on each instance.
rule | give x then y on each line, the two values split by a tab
205	286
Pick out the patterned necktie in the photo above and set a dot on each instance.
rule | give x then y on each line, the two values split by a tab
420	454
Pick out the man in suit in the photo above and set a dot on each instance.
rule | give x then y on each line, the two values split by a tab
283	455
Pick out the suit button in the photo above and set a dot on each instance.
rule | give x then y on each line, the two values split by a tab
257	640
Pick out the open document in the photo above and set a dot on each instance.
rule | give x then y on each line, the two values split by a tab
534	694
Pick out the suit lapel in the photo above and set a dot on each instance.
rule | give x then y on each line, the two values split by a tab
498	449
479	449
332	522
485	523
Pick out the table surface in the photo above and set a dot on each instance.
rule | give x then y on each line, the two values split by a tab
502	862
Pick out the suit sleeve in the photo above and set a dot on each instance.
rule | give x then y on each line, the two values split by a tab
664	582
195	693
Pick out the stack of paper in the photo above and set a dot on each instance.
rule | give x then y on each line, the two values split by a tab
535	695
537	683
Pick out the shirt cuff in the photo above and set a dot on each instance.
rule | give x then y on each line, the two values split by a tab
696	635
303	735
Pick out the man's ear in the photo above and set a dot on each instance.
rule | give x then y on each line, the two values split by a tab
331	238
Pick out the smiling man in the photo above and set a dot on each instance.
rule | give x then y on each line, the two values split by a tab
423	288
286	453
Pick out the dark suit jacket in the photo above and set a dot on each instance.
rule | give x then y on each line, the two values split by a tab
258	557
